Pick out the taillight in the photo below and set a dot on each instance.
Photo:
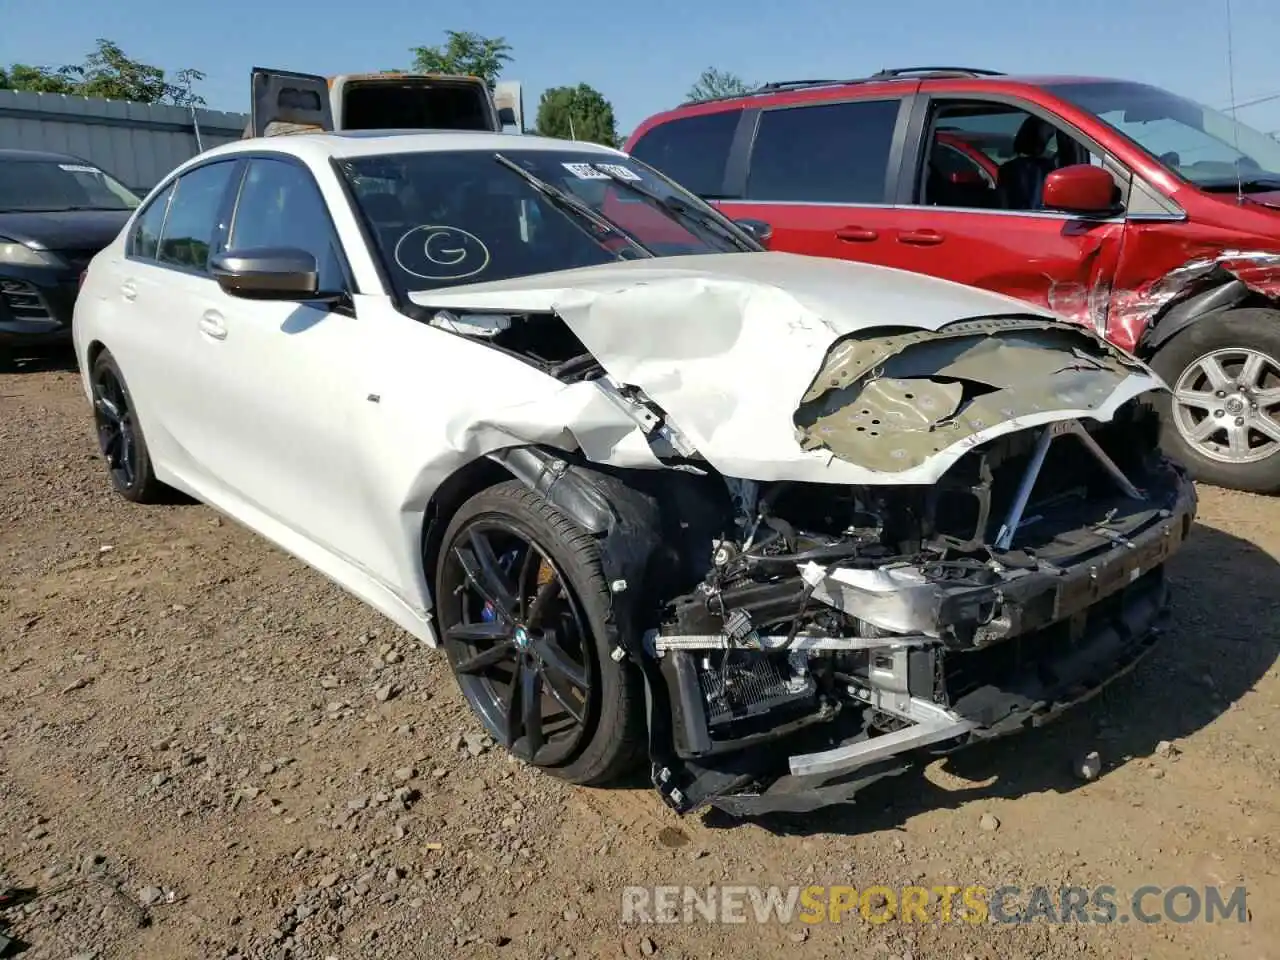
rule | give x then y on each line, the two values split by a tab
83	276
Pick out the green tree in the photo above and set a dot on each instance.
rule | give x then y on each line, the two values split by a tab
107	72
22	76
464	53
713	83
577	113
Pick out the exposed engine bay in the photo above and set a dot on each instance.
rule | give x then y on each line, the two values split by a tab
872	622
989	550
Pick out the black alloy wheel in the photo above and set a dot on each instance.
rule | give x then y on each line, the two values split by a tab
520	648
117	428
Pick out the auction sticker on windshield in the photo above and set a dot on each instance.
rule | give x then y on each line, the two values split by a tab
618	170
585	171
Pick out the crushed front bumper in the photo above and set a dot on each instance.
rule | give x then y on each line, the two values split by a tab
1061	636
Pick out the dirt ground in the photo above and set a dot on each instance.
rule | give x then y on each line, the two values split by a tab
207	750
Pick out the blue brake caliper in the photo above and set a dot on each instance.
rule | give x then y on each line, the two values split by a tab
508	561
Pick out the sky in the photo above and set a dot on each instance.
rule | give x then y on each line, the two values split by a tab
644	56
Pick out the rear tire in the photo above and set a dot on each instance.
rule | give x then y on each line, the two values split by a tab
120	435
536	550
1220	421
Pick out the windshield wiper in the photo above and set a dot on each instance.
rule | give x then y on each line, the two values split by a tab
579	211
683	212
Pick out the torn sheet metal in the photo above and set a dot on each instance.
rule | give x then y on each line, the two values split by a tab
891	403
1132	311
728	345
898	598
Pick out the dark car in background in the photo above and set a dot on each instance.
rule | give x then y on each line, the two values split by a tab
56	212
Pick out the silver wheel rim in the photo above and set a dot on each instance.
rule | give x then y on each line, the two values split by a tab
1225	403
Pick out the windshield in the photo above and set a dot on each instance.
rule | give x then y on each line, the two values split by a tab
443	218
48	185
1202	145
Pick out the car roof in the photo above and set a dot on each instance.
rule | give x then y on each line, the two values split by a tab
38	155
363	143
887	81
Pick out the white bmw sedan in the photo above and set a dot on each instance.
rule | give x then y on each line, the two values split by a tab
779	525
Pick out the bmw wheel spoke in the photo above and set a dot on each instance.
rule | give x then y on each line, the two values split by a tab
479	632
486	577
545	595
511	708
492	579
563	695
126	453
108	410
531	708
480	662
559	662
110	444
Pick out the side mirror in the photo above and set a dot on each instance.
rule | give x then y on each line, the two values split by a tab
758	230
1079	188
267	273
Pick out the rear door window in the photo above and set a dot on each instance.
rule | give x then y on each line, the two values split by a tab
693	151
145	239
826	153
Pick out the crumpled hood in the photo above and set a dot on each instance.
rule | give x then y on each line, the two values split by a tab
730	345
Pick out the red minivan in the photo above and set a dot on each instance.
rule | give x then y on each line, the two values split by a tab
1120	205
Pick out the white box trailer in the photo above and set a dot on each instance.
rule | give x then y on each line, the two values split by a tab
286	102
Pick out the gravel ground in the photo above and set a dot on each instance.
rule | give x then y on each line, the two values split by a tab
207	750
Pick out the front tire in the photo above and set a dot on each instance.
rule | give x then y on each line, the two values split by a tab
120	434
522	607
1220	420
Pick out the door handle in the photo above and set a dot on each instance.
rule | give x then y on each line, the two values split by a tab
920	238
211	325
855	234
129	290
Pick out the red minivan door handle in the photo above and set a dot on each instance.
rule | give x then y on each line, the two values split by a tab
856	234
921	238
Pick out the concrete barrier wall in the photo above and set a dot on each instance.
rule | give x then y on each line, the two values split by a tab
137	143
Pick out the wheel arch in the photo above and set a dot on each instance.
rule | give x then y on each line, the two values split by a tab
95	349
542	470
1183	313
625	514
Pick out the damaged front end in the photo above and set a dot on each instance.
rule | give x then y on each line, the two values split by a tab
839	633
837	546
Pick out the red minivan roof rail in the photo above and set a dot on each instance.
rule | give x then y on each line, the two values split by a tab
896	73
